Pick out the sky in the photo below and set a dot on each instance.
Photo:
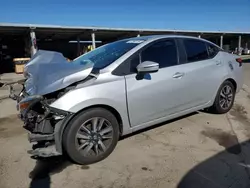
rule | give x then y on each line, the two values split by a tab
216	15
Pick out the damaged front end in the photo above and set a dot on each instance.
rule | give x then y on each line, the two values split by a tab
42	121
48	77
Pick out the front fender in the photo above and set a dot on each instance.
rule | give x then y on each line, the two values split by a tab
111	94
120	108
60	126
75	102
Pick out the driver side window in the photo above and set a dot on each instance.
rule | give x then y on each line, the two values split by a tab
163	52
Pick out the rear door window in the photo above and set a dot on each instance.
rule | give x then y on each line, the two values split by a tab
196	50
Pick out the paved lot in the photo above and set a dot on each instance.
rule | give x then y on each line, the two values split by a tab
198	150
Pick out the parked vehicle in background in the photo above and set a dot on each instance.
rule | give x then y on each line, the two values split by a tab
83	107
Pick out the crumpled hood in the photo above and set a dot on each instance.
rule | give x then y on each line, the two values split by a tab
49	71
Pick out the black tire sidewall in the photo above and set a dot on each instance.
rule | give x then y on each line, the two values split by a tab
73	126
216	107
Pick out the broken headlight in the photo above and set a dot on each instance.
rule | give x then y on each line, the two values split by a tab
27	103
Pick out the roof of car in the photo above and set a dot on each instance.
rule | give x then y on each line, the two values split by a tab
163	36
155	37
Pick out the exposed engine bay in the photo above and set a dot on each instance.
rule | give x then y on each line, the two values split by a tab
39	117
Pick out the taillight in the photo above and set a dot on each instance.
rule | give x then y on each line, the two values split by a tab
239	60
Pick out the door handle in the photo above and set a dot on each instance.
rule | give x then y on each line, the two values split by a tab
218	62
178	75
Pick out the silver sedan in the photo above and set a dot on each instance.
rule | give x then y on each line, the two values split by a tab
83	107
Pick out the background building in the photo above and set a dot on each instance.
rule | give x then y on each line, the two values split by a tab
22	40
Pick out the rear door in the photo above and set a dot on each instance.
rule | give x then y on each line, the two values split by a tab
204	67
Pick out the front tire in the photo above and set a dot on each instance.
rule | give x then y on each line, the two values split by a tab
91	136
224	99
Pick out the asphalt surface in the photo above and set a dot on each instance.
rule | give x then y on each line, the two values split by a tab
198	150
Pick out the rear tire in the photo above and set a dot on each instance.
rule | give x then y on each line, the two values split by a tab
224	99
91	136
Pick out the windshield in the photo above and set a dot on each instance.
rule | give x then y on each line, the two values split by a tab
105	55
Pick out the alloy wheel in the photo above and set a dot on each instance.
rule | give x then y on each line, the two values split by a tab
226	97
94	136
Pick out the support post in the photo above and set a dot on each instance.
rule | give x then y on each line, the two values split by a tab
27	48
33	42
239	45
78	46
221	41
217	41
93	39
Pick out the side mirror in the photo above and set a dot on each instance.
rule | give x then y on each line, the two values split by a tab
147	67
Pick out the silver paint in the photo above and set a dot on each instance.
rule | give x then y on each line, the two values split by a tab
169	93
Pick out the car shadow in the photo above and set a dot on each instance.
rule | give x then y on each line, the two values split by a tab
40	175
207	111
229	168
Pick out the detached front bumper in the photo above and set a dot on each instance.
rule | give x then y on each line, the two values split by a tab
48	145
46	133
45	128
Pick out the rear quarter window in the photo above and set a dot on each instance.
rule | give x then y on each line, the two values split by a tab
212	50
